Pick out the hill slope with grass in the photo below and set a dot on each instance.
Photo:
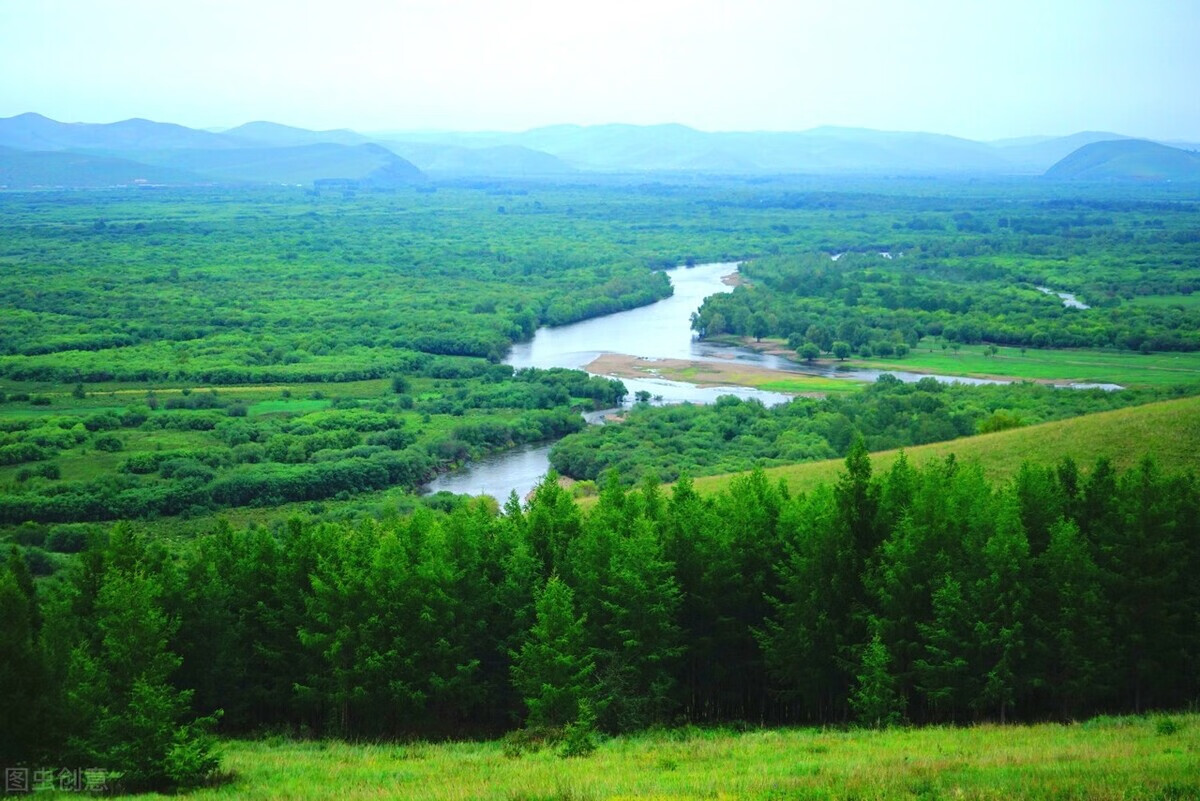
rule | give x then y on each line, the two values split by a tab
22	169
1169	431
1127	160
300	164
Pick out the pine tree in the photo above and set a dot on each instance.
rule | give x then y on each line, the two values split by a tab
1073	634
640	641
552	523
806	634
943	673
874	700
130	718
553	671
858	500
1142	557
1002	602
23	701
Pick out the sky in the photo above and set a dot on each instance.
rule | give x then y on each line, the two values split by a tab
972	68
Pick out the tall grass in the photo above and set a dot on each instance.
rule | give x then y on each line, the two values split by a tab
1106	759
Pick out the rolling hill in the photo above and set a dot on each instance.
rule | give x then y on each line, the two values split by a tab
1169	431
35	132
499	160
37	152
303	164
1038	153
23	169
272	134
1127	160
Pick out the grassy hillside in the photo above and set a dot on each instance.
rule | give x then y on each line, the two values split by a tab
1113	758
1169	431
289	165
21	169
1128	160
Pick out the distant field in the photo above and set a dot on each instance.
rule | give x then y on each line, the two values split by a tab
1103	760
1169	431
1096	366
1191	301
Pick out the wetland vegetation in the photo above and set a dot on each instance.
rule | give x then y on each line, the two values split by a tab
218	406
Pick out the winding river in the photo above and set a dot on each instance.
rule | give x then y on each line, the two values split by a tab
661	330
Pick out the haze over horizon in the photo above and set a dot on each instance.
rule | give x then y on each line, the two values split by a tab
961	68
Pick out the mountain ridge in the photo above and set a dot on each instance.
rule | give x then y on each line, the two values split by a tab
548	151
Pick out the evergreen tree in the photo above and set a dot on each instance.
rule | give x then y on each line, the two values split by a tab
1041	503
640	641
874	700
130	718
807	634
1142	557
687	542
1002	601
552	523
858	500
741	572
553	671
23	698
943	674
1072	636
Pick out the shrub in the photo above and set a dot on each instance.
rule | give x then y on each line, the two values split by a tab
110	443
65	539
579	737
1166	726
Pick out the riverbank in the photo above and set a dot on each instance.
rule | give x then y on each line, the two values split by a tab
718	374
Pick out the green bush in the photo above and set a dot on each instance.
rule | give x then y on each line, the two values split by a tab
109	443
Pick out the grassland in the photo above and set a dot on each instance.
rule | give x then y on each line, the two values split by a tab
719	374
1056	366
1126	368
1108	758
1169	431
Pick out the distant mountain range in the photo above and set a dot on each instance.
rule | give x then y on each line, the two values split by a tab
37	151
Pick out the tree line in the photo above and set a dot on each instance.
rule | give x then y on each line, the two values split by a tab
922	594
733	434
238	459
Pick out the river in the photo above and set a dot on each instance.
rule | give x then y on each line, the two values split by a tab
661	330
1068	300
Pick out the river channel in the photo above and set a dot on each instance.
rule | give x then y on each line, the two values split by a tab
661	330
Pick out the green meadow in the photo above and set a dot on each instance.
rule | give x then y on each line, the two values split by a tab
1133	758
1127	368
1169	431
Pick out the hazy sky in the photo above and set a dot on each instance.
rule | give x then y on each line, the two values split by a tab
978	69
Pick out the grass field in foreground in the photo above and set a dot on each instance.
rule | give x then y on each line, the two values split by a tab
1168	430
1106	759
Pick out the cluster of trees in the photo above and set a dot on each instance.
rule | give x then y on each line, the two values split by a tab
734	434
235	459
263	286
259	286
921	594
877	305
